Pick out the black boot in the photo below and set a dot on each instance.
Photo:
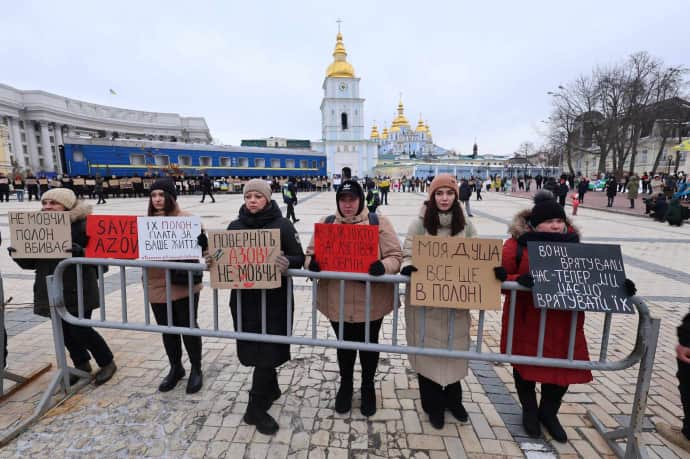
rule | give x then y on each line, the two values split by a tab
196	380
105	373
453	401
263	421
551	396
343	399
433	402
170	381
368	391
528	400
73	379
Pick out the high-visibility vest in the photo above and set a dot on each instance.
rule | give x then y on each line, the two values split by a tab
374	195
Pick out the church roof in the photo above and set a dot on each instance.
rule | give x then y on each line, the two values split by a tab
340	67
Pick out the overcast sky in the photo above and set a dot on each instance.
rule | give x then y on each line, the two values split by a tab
255	69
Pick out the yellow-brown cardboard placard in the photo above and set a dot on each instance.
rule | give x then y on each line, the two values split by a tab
40	234
244	259
455	272
78	182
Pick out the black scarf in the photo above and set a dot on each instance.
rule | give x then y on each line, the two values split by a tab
260	219
549	237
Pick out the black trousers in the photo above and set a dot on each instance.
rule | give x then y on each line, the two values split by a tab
684	388
180	318
265	389
5	195
581	196
290	211
384	196
561	201
209	193
435	397
101	197
354	331
80	341
610	201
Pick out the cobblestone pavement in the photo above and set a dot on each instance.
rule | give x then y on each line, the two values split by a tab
128	417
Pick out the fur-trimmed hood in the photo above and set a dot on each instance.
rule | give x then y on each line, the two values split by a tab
80	211
520	224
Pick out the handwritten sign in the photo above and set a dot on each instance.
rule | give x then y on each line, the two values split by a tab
114	183
3	181
78	182
244	259
112	236
90	182
169	238
31	181
40	234
148	183
55	184
42	181
578	277
455	272
346	248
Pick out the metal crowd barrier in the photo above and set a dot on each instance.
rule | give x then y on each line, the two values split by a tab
643	351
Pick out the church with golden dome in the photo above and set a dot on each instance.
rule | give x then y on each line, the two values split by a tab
401	141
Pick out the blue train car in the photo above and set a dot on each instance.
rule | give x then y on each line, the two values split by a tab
127	158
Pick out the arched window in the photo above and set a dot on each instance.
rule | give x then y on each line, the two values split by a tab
343	121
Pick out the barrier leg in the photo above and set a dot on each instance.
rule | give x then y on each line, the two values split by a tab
631	433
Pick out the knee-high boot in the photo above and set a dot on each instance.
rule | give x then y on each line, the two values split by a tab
528	400
551	396
453	401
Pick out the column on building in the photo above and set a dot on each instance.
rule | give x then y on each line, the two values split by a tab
17	149
57	131
45	146
31	145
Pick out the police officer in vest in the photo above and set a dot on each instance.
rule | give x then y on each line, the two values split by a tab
290	198
373	196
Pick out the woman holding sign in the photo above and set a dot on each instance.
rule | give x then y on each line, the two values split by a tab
351	210
261	212
546	221
80	341
163	203
439	378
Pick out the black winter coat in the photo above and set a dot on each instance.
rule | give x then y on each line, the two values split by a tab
465	192
253	353
46	267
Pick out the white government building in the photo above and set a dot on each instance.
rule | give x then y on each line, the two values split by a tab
35	122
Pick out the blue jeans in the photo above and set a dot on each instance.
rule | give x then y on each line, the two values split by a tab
20	195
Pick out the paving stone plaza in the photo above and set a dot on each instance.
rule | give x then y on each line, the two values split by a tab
128	417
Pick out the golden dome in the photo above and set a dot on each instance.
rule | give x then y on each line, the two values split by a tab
400	120
340	67
374	132
420	126
384	134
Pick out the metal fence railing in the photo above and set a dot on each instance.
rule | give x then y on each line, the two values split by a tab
642	352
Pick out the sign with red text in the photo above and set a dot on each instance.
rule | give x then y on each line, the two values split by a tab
112	236
40	234
346	248
169	238
454	272
244	259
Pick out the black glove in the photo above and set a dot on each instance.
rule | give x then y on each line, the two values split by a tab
76	250
630	288
202	240
408	270
526	280
11	250
377	268
314	265
501	273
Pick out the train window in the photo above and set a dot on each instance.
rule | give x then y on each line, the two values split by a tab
323	163
242	162
205	161
184	160
259	162
275	163
225	161
303	164
137	160
162	160
315	165
77	156
290	163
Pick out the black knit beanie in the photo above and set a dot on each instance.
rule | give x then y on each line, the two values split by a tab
165	184
545	208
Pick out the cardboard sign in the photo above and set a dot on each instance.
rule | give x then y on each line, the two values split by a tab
105	185
90	182
148	183
4	181
40	234
244	259
346	248
55	184
135	180
42	181
578	277
78	182
454	272
114	183
169	238
31	181
112	236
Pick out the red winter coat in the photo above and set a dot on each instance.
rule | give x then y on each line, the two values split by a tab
526	330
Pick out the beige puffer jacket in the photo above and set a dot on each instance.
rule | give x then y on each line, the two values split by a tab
441	370
381	294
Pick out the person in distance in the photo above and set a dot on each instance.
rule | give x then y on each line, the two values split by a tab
546	221
439	378
80	341
351	210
